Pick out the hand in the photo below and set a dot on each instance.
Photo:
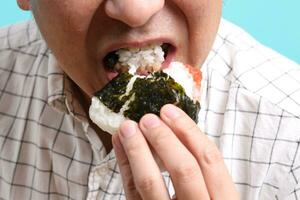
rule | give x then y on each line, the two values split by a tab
193	161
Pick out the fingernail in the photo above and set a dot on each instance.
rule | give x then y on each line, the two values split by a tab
171	111
128	129
151	121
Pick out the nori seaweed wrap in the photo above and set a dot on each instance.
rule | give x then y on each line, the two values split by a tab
130	96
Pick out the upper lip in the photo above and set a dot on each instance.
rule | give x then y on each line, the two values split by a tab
135	44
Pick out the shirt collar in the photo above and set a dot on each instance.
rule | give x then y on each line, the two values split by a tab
61	91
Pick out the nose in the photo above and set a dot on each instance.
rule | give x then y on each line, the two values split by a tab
134	13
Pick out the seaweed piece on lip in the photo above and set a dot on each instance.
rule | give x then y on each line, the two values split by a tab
112	93
160	89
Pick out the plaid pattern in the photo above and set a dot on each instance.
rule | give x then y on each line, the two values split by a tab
250	108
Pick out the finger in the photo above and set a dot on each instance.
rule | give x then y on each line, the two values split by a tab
215	173
146	174
130	190
180	163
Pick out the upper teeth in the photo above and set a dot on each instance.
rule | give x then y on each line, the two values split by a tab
147	58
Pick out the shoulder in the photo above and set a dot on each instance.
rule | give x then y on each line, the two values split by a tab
22	51
241	60
20	44
19	35
23	65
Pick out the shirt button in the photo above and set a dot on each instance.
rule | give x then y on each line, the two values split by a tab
102	171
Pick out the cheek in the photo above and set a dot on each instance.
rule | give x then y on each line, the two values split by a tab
64	25
80	13
67	16
203	18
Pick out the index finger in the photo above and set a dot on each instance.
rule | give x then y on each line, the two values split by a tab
215	173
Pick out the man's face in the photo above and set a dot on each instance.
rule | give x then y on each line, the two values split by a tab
81	33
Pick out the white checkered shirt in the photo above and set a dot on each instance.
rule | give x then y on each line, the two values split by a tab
250	108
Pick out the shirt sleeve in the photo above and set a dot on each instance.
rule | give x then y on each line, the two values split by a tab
289	184
294	176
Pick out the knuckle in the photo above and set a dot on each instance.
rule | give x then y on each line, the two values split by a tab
187	125
146	184
212	155
128	181
185	172
160	137
129	185
133	148
123	162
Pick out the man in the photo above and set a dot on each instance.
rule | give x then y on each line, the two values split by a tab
51	150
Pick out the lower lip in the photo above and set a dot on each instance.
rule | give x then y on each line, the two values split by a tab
170	57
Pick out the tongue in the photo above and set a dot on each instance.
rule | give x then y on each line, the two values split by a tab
111	75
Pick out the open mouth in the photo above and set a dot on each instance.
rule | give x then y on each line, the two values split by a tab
141	61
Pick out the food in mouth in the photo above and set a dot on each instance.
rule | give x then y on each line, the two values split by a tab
142	86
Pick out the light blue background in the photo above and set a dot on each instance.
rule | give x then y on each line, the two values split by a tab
275	23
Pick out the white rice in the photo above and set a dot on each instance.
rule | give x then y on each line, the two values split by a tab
135	58
182	76
105	118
